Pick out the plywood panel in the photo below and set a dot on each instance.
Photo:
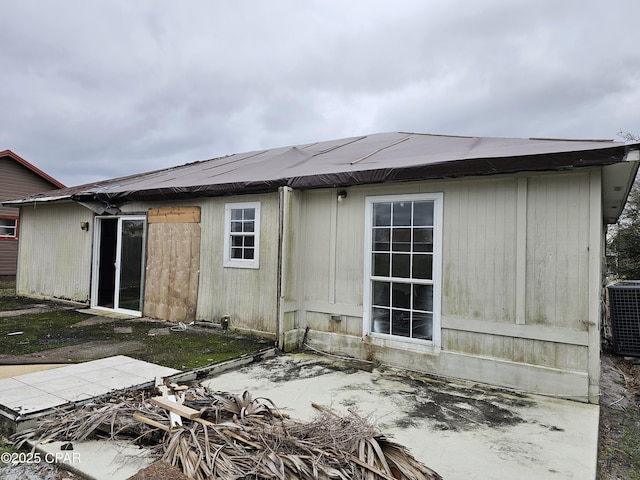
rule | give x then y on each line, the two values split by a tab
174	215
173	264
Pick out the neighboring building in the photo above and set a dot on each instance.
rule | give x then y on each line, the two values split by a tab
19	178
474	258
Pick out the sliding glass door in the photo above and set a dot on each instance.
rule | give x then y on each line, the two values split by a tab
118	270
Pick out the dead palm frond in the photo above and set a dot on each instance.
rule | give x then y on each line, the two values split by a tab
238	436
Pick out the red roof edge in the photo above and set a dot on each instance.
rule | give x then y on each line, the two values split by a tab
33	168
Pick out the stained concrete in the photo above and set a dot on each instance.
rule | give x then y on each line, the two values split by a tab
461	430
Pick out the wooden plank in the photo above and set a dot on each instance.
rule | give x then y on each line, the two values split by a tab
185	412
174	215
153	423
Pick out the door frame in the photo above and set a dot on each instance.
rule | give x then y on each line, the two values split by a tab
95	271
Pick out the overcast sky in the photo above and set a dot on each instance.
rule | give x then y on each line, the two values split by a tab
93	89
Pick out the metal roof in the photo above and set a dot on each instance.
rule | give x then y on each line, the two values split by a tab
383	157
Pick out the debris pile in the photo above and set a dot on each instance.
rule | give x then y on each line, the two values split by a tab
219	435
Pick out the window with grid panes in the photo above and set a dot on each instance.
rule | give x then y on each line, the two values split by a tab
242	235
402	276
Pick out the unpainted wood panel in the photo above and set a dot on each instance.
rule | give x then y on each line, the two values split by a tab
172	273
174	215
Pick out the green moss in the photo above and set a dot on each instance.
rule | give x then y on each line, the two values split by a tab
182	350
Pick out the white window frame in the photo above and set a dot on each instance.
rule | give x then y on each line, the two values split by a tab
396	340
15	227
237	262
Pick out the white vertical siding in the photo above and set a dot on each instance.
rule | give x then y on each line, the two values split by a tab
54	253
516	278
479	249
249	296
558	250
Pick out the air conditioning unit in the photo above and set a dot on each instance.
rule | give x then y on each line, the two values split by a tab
624	311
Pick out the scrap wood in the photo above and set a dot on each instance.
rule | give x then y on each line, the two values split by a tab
153	423
182	410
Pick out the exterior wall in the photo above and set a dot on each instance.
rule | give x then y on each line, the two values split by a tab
249	296
520	278
54	254
17	181
521	265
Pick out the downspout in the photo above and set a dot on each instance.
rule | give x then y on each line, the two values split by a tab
283	229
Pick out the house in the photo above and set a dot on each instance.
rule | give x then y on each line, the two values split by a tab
19	178
466	257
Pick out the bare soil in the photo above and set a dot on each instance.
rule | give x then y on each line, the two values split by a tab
619	442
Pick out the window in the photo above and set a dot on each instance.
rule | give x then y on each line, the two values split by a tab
9	227
242	235
402	288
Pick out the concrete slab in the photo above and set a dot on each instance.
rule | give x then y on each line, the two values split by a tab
460	430
14	370
35	392
112	460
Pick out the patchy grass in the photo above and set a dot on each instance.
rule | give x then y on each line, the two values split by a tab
43	331
11	302
56	327
182	350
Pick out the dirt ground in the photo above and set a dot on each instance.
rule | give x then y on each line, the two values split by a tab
619	446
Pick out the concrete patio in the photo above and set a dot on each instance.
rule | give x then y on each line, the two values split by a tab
461	430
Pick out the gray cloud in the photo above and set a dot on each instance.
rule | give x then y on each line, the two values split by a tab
93	90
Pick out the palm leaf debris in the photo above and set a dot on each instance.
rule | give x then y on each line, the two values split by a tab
227	436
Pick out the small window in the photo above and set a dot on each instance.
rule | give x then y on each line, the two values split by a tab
242	235
9	227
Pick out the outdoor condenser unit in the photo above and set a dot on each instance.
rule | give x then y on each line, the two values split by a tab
624	309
